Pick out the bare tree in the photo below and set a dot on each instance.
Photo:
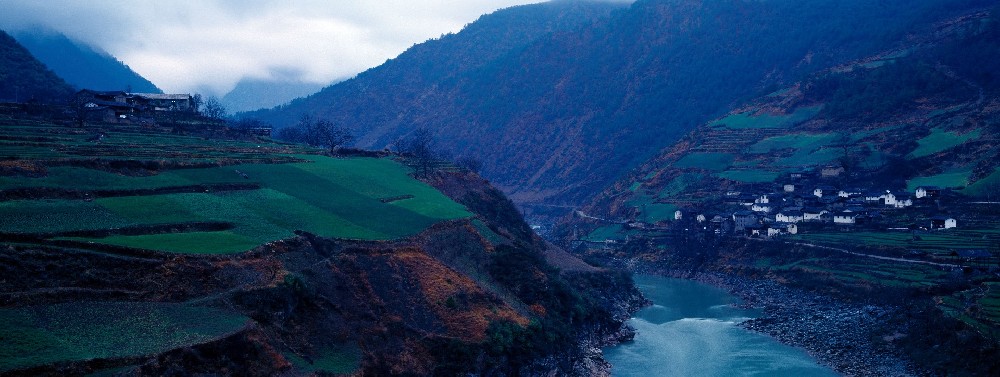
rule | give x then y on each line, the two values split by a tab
419	145
214	108
196	102
317	132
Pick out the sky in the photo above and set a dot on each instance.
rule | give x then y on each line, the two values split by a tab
207	46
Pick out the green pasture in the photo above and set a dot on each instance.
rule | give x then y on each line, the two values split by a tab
947	179
337	198
679	184
940	140
987	186
794	141
749	176
706	161
934	242
608	232
43	335
650	210
745	120
860	270
340	359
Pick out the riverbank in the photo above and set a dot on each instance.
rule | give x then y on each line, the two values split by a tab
847	337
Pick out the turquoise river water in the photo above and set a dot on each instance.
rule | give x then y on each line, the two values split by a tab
691	330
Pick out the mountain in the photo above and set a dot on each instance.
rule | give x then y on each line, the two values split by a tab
250	94
167	250
24	78
588	91
83	66
873	182
922	114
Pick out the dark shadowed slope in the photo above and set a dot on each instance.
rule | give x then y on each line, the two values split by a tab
83	66
23	78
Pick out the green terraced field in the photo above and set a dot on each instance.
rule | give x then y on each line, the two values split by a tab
950	179
937	242
43	335
744	120
707	161
350	198
940	140
749	176
866	271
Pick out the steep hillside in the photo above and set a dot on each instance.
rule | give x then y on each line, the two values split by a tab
560	115
924	114
83	66
23	78
159	250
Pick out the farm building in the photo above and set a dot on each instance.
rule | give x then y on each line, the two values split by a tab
927	192
831	171
168	102
744	219
822	191
943	222
786	216
846	217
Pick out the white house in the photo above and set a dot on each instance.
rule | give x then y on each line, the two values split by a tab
813	214
782	228
943	222
789	216
678	215
903	201
762	199
847	193
761	207
700	218
845	218
927	191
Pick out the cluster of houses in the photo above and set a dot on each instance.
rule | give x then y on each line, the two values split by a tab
122	105
782	212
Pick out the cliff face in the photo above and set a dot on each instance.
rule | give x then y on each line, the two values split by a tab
465	296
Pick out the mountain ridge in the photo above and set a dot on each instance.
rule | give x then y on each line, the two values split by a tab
557	119
83	66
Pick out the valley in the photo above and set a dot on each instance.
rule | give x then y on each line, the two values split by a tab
546	192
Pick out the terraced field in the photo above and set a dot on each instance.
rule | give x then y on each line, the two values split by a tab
78	331
144	189
936	243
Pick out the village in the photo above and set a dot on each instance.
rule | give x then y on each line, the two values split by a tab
809	200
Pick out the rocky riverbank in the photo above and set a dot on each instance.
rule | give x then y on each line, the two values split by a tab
852	339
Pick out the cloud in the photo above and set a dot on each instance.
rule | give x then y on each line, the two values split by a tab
209	45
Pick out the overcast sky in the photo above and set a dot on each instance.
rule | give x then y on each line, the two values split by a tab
186	46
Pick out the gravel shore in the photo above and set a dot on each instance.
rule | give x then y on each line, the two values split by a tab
849	338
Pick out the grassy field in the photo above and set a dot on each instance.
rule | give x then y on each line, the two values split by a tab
940	140
949	179
934	242
337	198
744	120
342	359
794	141
866	271
270	190
749	176
707	161
41	335
985	187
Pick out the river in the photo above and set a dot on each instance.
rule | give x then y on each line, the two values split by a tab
691	330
